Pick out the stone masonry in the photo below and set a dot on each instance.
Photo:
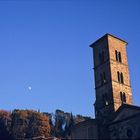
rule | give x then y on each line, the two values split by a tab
108	70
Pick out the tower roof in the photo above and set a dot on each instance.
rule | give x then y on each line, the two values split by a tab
106	36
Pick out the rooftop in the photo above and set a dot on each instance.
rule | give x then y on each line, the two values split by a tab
106	36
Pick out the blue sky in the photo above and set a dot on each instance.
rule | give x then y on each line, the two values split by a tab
44	44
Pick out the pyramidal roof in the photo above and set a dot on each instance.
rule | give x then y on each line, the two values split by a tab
106	36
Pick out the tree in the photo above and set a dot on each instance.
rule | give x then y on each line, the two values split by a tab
28	124
5	123
38	125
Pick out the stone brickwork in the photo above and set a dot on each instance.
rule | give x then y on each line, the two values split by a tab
115	66
106	67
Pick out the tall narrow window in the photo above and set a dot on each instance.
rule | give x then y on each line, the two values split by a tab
120	58
123	97
116	54
121	75
118	74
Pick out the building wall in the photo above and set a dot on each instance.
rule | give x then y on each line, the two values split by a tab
115	66
97	49
117	88
110	67
106	88
126	129
85	130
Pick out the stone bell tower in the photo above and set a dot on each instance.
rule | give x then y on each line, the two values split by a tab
112	80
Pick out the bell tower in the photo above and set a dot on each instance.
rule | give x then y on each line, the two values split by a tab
112	80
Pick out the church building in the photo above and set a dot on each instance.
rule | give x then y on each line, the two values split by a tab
115	115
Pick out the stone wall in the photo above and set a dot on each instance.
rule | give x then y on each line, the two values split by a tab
115	66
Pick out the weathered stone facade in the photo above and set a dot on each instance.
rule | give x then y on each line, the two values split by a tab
109	60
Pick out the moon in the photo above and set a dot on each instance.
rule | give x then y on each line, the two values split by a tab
29	87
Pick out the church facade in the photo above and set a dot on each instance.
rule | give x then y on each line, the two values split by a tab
115	115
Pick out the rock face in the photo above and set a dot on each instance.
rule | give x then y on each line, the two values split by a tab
61	123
